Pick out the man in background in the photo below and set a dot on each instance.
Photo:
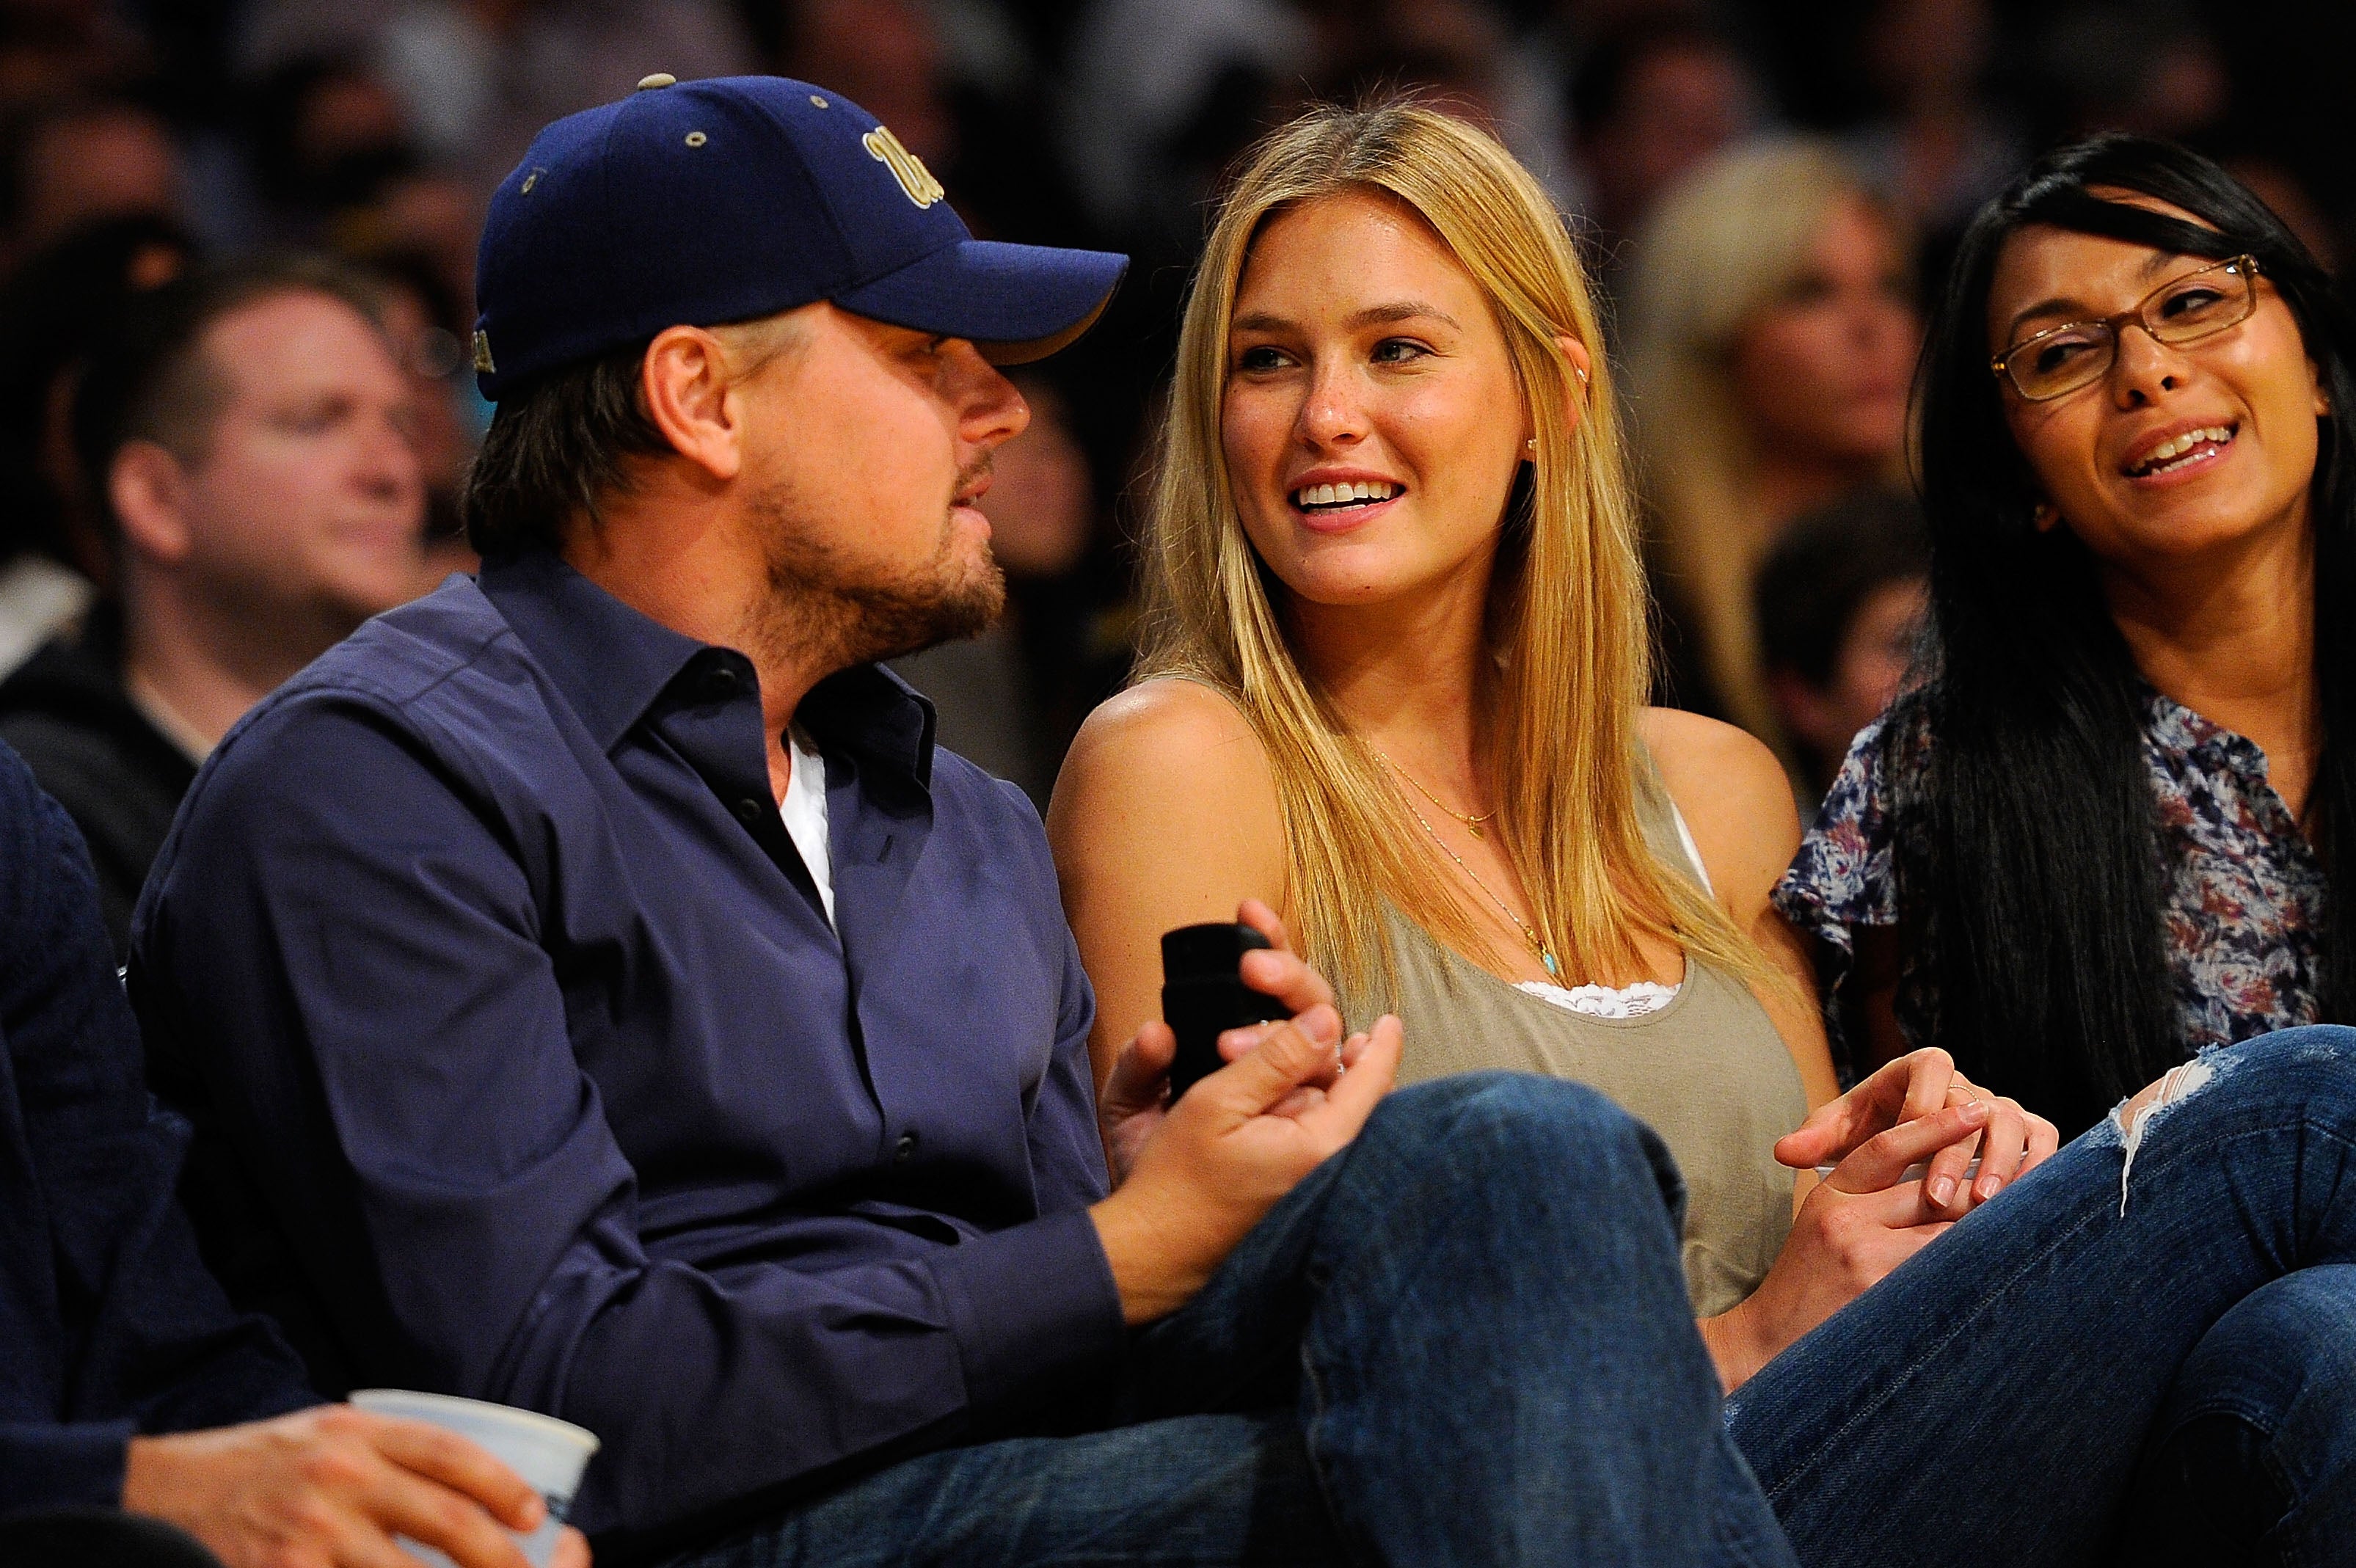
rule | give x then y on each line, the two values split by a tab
246	433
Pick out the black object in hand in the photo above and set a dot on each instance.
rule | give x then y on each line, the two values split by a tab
1203	995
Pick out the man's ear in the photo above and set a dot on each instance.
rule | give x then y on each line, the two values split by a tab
148	492
685	380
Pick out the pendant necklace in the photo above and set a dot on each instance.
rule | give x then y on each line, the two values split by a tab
1471	824
1539	949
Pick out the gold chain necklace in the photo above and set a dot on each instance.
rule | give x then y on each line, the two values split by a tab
1539	948
1471	824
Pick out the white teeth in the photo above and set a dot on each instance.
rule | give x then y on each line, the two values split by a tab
1343	495
2176	446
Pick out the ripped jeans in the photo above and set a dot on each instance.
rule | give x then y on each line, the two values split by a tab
2077	1374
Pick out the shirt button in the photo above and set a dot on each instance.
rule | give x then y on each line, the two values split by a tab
719	683
749	811
905	1150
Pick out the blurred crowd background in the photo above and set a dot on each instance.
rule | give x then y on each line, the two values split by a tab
1766	192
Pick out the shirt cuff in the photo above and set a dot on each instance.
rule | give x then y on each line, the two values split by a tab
62	1467
1028	1304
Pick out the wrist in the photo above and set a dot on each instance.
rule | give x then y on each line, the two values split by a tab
1147	1268
1737	1343
148	1469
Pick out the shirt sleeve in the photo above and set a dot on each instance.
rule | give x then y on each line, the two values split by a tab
400	1061
142	1338
1845	876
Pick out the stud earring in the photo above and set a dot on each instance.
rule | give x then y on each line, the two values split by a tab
1531	446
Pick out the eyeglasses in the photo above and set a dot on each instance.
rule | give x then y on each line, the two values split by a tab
2183	310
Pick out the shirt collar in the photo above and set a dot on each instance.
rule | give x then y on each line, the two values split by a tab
611	663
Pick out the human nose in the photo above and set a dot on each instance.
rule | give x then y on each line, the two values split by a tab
389	466
991	410
1330	416
2142	367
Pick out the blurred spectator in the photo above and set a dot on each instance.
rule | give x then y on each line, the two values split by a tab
51	552
478	78
1160	97
247	431
1652	99
1840	602
885	55
53	50
429	330
1941	148
2147	66
993	695
1772	338
326	136
89	160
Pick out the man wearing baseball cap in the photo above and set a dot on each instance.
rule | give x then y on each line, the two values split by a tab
594	992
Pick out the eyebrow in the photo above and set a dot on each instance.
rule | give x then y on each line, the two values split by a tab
2072	310
1372	316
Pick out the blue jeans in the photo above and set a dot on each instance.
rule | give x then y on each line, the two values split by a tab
1465	1340
2091	1369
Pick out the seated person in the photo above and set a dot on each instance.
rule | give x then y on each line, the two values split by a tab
133	1398
596	993
2105	835
1395	686
1839	605
245	431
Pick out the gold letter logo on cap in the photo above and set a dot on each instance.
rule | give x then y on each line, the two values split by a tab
483	354
906	167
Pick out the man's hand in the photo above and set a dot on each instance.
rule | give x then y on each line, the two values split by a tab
1194	1177
330	1488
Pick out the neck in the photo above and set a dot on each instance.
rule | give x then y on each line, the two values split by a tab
2230	634
1406	675
668	550
207	663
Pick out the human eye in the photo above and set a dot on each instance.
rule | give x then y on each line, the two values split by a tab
2195	299
1261	357
1400	351
2060	348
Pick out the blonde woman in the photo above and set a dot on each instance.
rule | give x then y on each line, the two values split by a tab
1770	339
1395	690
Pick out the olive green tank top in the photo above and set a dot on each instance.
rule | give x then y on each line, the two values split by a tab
1706	1071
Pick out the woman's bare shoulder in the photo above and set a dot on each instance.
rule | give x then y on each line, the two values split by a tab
1734	796
1168	754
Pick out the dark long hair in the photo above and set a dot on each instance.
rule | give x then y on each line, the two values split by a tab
2043	888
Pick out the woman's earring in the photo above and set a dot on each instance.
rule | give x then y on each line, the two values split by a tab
1531	446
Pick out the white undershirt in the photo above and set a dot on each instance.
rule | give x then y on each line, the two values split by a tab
804	811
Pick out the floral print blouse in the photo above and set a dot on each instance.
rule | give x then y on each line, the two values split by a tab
2244	890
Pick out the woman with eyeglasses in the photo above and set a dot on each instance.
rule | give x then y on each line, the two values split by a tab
2103	835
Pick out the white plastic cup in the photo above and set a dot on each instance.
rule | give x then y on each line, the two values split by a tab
549	1454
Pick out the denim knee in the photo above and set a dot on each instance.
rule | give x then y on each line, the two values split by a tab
1477	1130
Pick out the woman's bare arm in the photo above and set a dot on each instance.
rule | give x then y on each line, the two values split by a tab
1164	815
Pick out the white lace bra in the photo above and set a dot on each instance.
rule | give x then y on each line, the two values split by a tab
1624	1001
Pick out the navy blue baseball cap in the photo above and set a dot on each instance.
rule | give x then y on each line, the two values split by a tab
694	203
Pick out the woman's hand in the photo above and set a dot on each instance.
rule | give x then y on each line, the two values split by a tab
1915	1086
1867	1216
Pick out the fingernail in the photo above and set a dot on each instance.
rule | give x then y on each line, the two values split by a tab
1988	1187
1942	1190
1978	1111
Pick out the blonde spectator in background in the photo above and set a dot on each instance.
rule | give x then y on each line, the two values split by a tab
1772	336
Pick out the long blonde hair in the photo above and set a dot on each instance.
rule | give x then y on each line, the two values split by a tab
1568	617
1725	243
